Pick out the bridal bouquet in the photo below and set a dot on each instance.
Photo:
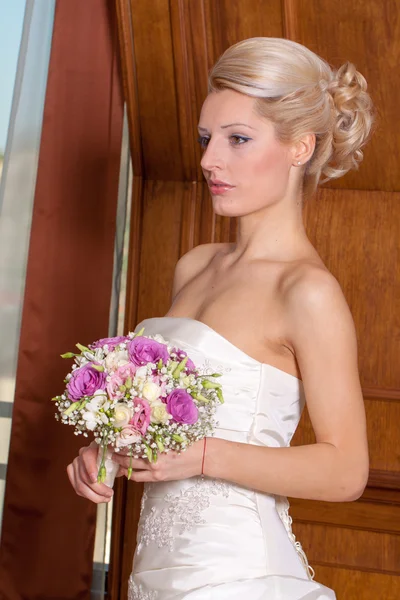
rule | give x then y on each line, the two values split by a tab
139	393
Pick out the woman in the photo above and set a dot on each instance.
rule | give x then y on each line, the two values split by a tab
267	313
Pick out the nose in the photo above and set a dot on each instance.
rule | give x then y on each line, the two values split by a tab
212	158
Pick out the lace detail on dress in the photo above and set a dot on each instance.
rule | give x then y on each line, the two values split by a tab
208	369
282	506
183	510
136	592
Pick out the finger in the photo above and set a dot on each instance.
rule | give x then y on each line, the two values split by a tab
71	475
83	473
96	492
127	461
142	476
89	459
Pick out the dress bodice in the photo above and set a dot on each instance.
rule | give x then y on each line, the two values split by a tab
211	539
263	404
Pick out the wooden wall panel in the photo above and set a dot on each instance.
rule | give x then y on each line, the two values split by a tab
350	583
156	92
366	32
338	547
383	418
357	237
167	48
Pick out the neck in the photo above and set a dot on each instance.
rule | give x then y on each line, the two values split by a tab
274	233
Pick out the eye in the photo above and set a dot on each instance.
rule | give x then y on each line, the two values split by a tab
238	140
203	141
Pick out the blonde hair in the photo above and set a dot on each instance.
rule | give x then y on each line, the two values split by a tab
300	93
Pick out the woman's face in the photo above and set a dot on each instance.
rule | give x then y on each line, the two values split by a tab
241	151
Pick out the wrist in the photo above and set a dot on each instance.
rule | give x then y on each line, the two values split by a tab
210	465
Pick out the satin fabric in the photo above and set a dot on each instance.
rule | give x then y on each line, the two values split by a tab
208	539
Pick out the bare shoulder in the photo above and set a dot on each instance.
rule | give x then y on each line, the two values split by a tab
193	263
314	299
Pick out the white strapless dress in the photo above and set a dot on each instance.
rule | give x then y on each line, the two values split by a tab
208	539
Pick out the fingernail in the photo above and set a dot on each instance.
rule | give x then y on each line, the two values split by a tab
93	477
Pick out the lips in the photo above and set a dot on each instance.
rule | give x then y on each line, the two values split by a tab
218	188
219	183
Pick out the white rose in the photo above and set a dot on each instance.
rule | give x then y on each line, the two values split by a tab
122	415
151	391
159	413
141	372
116	359
128	436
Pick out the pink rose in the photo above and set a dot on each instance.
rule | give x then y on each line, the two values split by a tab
85	381
182	408
141	416
118	379
111	342
113	387
143	350
127	436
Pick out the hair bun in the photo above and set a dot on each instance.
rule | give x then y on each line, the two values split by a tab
353	120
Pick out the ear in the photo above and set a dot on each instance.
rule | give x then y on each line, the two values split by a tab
303	150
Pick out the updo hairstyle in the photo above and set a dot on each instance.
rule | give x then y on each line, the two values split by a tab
300	93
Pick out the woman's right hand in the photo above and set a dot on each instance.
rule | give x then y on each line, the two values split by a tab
82	473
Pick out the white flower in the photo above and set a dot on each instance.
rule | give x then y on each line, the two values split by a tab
103	418
141	372
159	413
151	391
122	415
90	418
116	359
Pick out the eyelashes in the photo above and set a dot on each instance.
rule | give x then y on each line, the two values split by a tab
234	140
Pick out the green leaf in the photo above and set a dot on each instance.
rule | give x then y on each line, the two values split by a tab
98	368
172	365
177	437
200	397
74	406
68	355
149	453
159	443
102	474
82	348
220	396
139	333
180	368
210	385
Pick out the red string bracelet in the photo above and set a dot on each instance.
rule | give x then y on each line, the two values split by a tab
204	455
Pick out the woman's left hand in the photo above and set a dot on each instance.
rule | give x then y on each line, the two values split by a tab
170	466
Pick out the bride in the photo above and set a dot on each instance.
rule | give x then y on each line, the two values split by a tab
266	312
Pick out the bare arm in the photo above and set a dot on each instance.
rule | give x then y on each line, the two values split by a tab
335	468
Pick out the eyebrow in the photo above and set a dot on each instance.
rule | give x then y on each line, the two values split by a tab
229	125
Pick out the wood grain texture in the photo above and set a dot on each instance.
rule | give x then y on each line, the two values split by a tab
352	584
365	515
170	45
356	234
339	547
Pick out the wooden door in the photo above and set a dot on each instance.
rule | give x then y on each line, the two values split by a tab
167	48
